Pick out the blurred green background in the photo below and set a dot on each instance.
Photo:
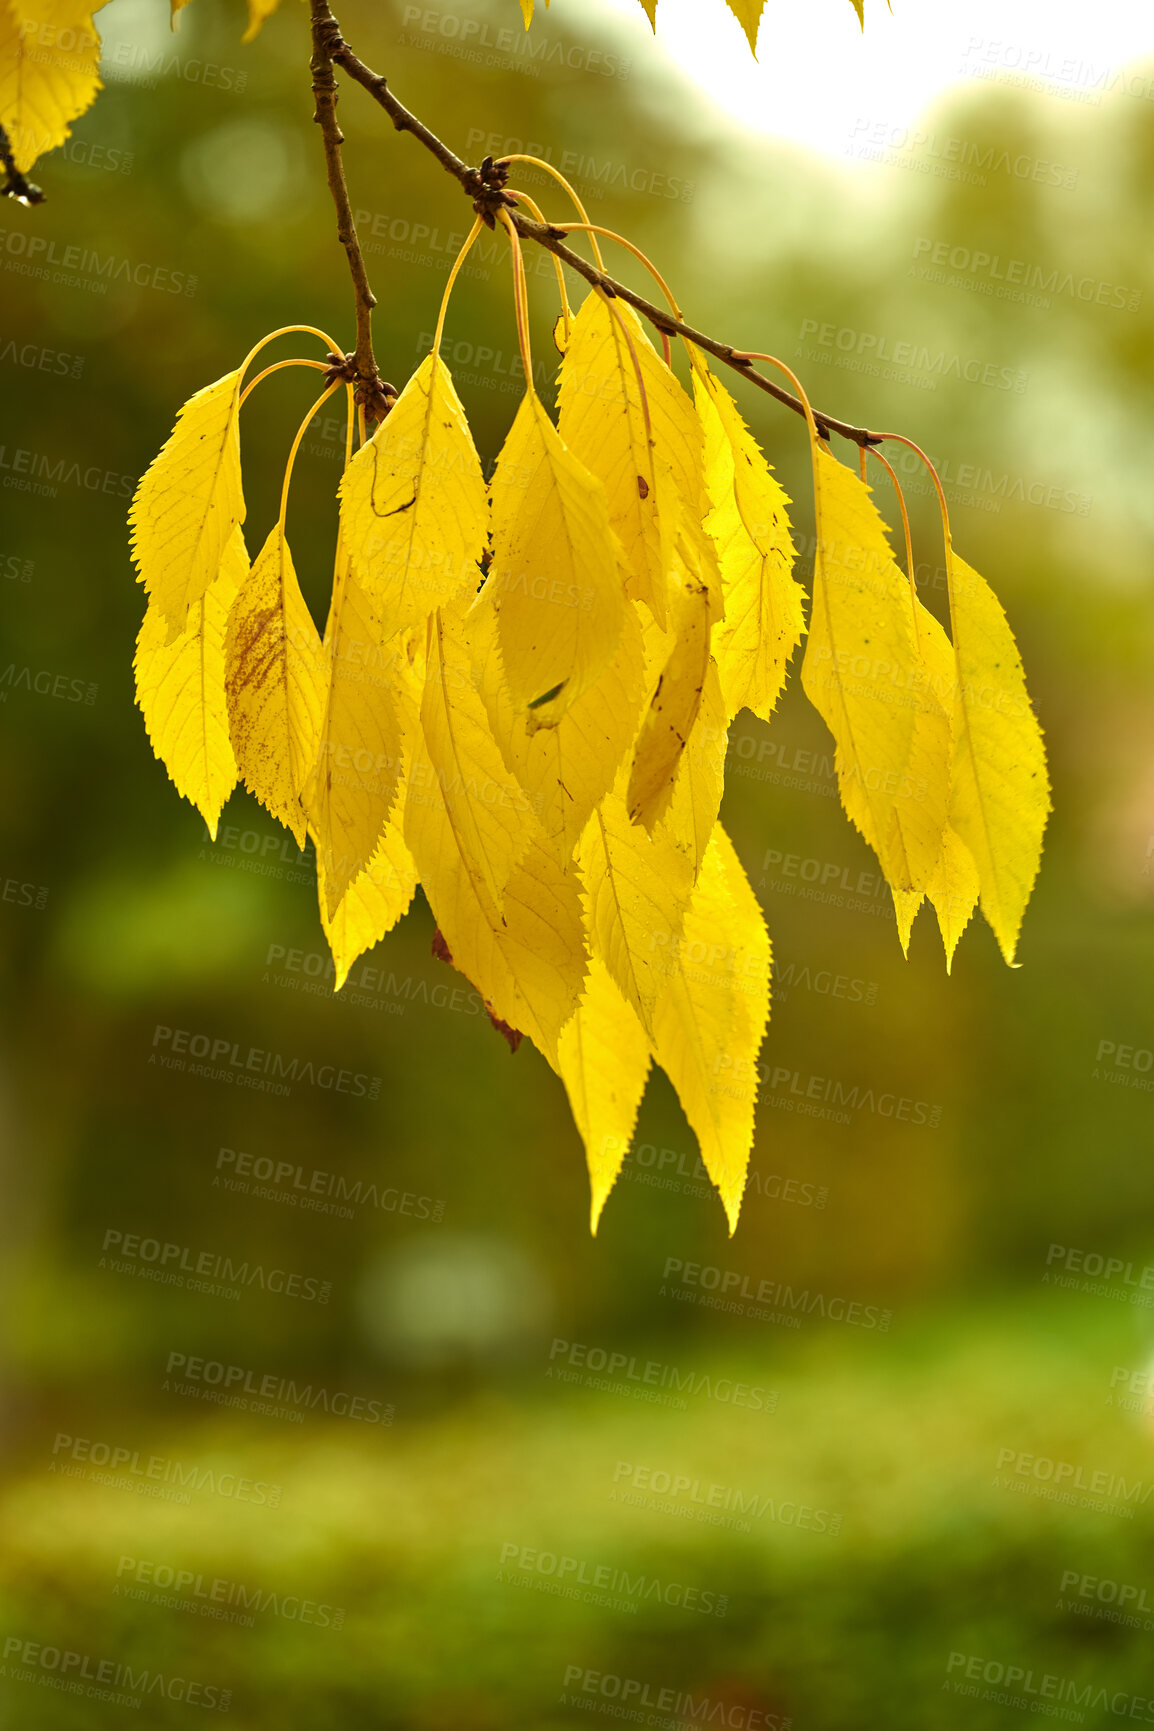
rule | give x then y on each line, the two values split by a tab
876	1528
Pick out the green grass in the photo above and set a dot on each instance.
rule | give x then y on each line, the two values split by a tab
404	1528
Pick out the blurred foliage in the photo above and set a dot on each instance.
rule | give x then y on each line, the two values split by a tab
147	924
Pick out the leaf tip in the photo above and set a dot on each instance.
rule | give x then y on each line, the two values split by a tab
1007	941
340	972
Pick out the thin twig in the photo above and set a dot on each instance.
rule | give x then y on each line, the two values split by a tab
360	367
16	185
486	187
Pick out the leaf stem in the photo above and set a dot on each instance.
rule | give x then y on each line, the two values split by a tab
286	331
521	303
593	228
901	439
892	473
340	562
807	411
319	366
566	309
539	162
292	456
457	263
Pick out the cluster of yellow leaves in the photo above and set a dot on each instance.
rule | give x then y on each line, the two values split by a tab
522	700
939	756
747	12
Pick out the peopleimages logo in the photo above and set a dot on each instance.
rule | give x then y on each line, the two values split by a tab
218	1597
1104	1276
285	1181
1034	279
735	1292
677	1707
104	1679
252	1066
1072	1483
1022	1687
568	1574
238	1385
155	1475
171	1262
662	1492
656	1375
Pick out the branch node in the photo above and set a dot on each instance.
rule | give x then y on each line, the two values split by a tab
371	393
487	185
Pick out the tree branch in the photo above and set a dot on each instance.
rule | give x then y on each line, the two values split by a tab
486	187
16	186
359	367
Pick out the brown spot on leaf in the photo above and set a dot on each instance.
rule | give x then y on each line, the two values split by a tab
440	948
510	1034
643	486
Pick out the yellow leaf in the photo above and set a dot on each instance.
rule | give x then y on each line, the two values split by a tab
527	961
602	418
953	889
258	11
489	815
527	11
638	888
711	1017
189	501
927	851
748	15
641	439
860	669
177	7
414	517
700	779
49	72
350	791
675	702
380	894
906	905
916	804
764	620
371	906
1001	791
603	1060
554	581
565	770
922	798
180	690
275	679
